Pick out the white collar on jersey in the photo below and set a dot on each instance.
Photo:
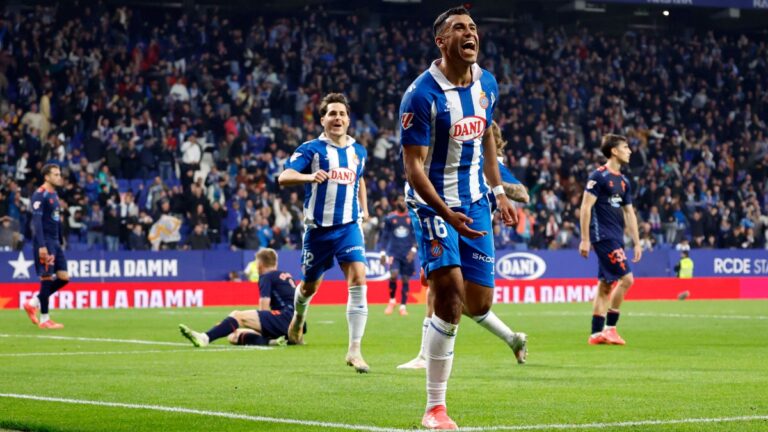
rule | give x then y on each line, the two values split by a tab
325	138
443	82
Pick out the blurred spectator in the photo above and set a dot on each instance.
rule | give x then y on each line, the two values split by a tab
212	123
198	240
137	240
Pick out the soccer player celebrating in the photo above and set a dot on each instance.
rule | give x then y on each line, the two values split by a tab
608	193
515	191
46	245
266	326
331	170
397	246
447	149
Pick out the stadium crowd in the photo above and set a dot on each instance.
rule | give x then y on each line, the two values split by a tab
172	128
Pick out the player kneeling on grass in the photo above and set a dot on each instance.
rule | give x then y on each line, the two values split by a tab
266	326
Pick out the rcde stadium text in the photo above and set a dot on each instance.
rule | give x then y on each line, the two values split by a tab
741	266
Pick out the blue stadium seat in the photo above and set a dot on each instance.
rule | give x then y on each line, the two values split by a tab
123	185
136	185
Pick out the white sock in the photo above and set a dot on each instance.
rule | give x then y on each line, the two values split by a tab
44	318
34	302
301	303
357	315
424	328
493	324
441	337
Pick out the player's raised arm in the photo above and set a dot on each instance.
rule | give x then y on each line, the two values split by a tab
291	177
491	171
630	219
296	168
414	156
585	216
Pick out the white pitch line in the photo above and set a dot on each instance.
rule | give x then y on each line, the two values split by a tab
263	419
618	424
646	315
87	339
228	415
87	353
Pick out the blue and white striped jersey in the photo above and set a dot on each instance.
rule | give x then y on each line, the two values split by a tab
450	120
333	202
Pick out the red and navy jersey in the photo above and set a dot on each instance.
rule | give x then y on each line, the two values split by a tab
397	237
279	287
612	191
46	217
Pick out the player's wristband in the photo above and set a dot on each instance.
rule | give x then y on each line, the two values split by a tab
498	190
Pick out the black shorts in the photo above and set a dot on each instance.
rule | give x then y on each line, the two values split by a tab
613	263
402	265
275	323
59	263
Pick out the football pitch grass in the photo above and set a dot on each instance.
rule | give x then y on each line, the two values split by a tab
687	366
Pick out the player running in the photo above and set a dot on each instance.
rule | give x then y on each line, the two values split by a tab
609	193
46	244
331	170
447	149
267	325
398	248
515	191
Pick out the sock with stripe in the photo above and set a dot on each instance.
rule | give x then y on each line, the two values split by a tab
493	324
424	328
222	329
441	337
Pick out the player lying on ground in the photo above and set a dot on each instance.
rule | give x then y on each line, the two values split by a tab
266	326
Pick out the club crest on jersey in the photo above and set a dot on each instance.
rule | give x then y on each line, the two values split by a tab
468	128
483	100
436	249
343	176
406	120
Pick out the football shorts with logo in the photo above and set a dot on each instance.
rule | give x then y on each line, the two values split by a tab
440	245
612	261
59	262
322	244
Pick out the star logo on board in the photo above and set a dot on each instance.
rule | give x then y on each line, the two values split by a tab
20	266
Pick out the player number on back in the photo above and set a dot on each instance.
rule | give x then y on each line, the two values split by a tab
436	227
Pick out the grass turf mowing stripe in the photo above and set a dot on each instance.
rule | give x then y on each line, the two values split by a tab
235	416
227	415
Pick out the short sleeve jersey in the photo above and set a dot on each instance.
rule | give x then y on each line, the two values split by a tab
612	191
397	237
46	217
333	202
279	287
450	120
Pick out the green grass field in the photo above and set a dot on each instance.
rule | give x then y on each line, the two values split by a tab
685	361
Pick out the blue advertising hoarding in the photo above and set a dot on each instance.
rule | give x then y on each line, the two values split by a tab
182	266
